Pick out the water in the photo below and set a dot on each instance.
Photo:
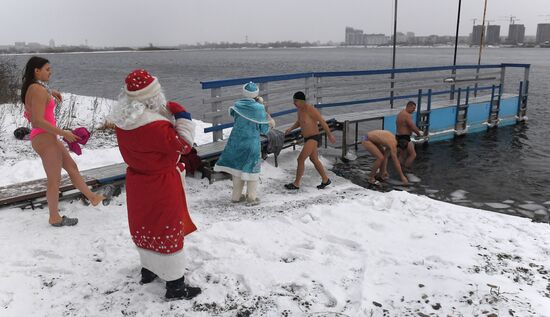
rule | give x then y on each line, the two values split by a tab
506	170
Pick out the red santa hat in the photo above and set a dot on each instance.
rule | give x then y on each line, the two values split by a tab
140	85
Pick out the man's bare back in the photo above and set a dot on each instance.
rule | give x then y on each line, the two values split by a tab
383	138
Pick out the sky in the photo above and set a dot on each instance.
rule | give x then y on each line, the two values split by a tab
173	22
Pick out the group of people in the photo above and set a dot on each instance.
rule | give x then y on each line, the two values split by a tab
241	155
383	144
154	135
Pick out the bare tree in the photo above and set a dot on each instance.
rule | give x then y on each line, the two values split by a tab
9	81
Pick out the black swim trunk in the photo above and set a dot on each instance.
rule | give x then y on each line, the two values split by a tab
316	137
403	140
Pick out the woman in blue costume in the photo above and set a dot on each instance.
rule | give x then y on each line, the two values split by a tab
241	156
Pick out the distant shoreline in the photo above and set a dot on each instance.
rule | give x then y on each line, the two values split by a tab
101	51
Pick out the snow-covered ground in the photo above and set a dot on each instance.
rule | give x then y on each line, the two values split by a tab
342	251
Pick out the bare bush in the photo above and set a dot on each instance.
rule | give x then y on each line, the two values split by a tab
9	81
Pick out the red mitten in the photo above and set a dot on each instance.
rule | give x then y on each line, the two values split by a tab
175	107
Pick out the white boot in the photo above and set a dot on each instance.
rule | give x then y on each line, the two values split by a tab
251	197
238	185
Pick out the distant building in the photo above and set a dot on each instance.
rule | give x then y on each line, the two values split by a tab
34	46
543	33
493	34
52	43
355	37
377	39
401	38
476	35
410	37
20	45
516	34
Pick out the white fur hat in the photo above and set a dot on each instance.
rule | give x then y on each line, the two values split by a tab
250	90
140	85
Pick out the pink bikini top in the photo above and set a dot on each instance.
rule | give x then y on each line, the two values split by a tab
48	112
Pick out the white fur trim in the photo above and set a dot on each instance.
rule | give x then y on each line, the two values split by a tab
232	108
146	117
150	91
250	94
168	267
235	172
186	130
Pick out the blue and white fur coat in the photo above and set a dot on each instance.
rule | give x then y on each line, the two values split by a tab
241	156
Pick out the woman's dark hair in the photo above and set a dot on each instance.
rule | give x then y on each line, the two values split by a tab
28	74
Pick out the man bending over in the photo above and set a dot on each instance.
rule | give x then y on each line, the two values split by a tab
382	144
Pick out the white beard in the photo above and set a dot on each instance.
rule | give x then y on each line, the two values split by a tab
128	113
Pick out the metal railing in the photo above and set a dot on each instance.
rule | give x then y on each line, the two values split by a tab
363	90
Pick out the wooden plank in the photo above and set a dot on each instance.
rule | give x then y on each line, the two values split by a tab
37	188
34	189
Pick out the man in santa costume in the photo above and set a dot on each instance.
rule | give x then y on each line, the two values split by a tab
152	134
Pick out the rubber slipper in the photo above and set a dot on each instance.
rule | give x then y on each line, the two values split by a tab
375	183
66	221
291	186
323	185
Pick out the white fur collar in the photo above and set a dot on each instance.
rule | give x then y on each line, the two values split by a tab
146	117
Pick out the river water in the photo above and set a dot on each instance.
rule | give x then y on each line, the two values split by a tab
505	170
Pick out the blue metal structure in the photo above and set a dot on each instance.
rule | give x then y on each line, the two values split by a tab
467	103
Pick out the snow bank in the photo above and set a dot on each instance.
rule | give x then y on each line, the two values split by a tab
342	251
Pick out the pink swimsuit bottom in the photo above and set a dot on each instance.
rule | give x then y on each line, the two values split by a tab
48	115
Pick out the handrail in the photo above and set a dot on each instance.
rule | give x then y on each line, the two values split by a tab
258	80
265	79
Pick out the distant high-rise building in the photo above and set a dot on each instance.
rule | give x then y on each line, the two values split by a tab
377	39
355	37
516	34
543	33
476	34
410	37
493	34
52	43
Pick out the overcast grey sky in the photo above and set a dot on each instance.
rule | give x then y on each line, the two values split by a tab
172	22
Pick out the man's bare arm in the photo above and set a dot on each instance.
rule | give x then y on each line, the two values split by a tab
413	126
294	126
316	115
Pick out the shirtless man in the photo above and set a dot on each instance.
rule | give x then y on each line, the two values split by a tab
405	128
308	120
382	144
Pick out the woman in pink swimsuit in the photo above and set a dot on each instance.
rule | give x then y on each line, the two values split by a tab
39	110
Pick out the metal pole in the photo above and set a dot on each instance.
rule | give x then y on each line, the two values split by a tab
393	58
480	46
457	28
456	47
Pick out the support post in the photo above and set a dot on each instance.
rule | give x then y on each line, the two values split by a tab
429	109
216	106
419	107
393	54
344	139
502	79
456	49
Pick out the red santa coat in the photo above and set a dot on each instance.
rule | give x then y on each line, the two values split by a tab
157	208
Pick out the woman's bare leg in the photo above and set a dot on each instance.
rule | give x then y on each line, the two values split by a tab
70	166
46	146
